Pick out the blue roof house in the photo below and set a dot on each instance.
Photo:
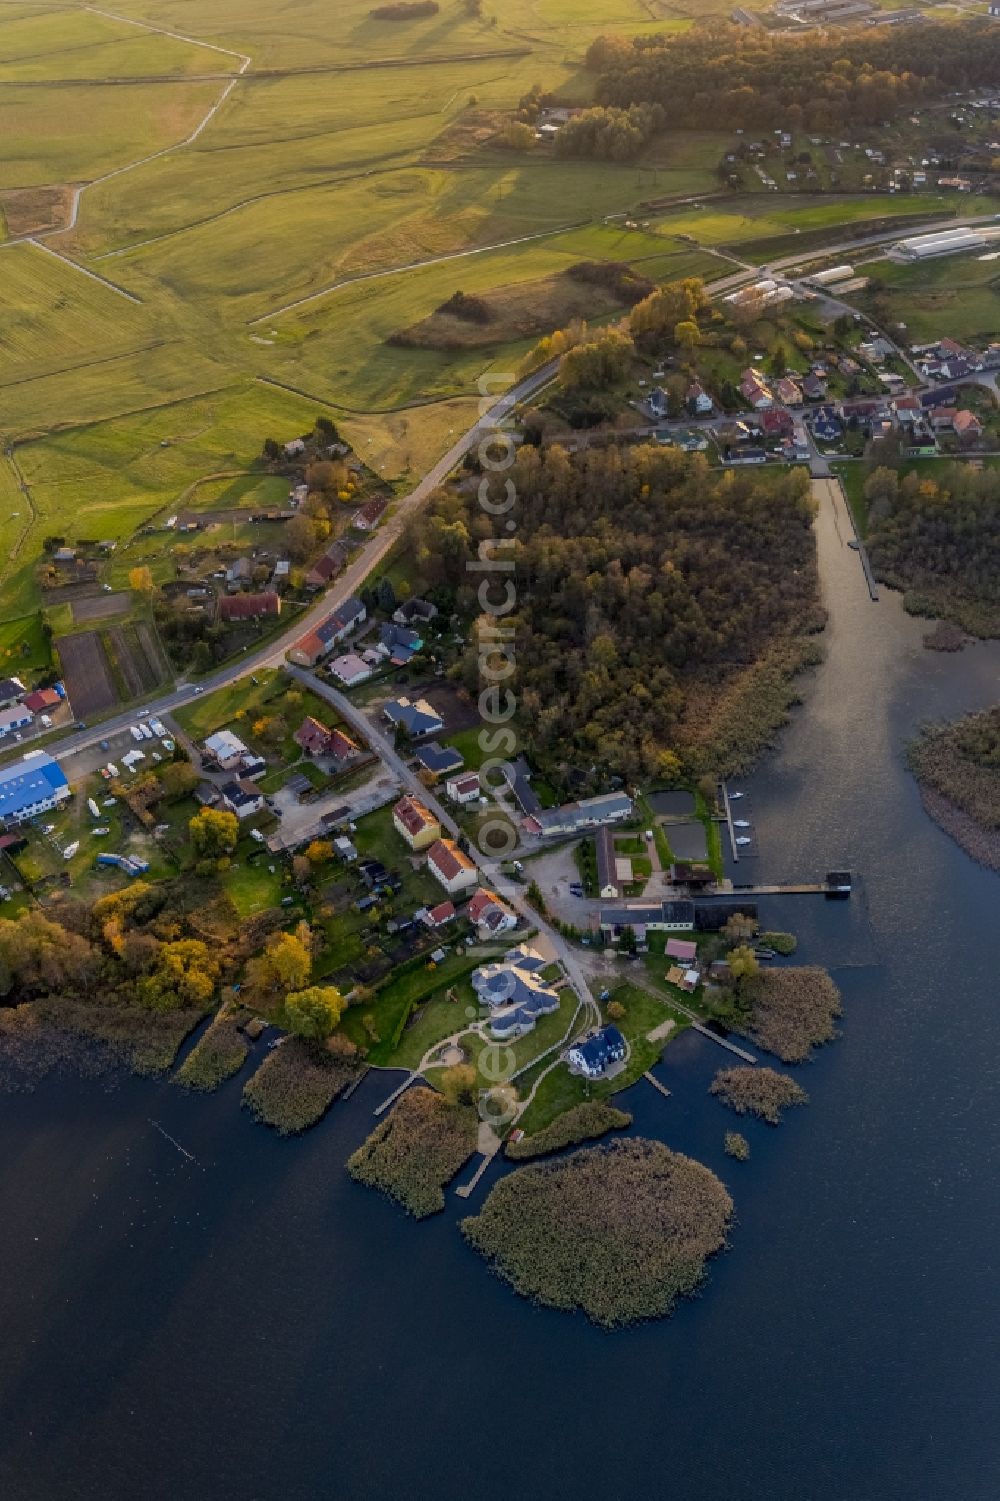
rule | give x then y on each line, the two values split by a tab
417	719
31	786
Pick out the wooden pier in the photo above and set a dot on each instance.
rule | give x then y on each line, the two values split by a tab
805	888
724	1042
798	888
391	1099
657	1085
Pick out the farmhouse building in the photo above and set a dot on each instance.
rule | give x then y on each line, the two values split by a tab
415	822
329	633
451	866
250	606
327	567
350	670
369	516
42	701
659	917
613	873
573	818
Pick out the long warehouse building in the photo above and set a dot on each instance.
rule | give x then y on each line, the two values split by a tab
946	242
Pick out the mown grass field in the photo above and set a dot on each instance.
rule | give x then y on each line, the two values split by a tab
124	122
746	220
51	317
955	296
76	44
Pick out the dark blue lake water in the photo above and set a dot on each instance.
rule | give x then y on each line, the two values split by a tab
254	1326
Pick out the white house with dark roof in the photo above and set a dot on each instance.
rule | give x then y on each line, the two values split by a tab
599	1054
242	797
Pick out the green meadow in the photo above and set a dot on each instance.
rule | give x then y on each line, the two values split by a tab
955	296
274	230
744	220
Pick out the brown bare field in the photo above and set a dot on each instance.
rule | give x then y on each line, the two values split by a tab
149	642
28	211
136	653
86	673
98	606
118	649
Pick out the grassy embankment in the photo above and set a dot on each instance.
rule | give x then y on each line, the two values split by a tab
954	296
239	226
581	1123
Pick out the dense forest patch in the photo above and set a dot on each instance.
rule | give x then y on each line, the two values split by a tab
650	589
822	80
938	539
620	1231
